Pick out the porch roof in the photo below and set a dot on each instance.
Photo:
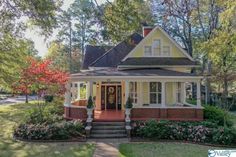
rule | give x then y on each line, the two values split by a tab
157	62
113	72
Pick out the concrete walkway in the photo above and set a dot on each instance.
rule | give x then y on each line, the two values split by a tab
107	147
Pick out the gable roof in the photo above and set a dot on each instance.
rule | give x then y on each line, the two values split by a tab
157	62
114	56
92	53
168	36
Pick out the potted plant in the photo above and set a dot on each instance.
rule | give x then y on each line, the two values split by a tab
128	106
90	107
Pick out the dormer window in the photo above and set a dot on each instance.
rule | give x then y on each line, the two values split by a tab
166	50
156	46
148	51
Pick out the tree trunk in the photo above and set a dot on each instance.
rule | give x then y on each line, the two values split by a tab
225	92
26	98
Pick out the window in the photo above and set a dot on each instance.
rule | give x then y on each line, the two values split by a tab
155	92
83	91
76	85
133	92
178	92
156	46
147	51
166	50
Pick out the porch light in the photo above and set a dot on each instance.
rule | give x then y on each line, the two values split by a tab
97	85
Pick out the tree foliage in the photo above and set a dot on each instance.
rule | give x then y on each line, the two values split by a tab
123	17
40	78
221	48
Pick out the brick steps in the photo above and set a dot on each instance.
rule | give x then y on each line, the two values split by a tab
108	130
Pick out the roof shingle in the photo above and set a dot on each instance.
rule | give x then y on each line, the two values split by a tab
157	61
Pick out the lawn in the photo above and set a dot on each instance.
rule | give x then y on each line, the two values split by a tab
12	115
160	149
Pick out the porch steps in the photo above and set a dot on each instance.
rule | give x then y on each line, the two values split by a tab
108	130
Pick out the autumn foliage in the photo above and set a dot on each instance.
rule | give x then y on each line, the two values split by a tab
41	78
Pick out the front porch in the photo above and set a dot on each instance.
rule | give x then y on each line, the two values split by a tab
153	98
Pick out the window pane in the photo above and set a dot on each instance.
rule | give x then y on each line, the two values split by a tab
156	43
153	98
159	98
153	87
82	91
159	86
166	50
147	51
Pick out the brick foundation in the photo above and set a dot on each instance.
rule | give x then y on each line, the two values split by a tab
75	113
183	114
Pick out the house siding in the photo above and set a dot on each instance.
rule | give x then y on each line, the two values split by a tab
175	52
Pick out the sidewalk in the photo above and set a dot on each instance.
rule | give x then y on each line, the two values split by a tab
107	147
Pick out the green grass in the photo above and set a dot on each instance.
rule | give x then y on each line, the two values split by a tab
165	149
12	115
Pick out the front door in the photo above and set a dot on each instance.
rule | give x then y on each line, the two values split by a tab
111	97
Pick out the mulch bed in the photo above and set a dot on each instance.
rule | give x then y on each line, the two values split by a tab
80	139
138	139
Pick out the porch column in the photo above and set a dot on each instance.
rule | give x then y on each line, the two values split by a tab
68	94
126	90
90	89
183	88
163	94
198	94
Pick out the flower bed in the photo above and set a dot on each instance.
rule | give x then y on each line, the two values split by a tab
203	132
44	122
63	130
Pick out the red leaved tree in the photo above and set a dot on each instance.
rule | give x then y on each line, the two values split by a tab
41	78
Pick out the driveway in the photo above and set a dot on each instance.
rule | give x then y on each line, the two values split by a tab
16	99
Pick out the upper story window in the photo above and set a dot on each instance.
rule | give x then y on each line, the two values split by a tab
148	51
156	46
157	49
166	50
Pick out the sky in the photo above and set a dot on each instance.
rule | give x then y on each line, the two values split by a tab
39	41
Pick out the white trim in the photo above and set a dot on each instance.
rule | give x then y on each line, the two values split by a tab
157	66
139	77
149	34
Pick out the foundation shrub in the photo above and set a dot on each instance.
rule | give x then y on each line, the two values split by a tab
201	132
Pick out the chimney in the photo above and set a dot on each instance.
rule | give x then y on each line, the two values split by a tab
146	30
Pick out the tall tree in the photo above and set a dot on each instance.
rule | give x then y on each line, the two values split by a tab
123	17
79	26
15	17
221	47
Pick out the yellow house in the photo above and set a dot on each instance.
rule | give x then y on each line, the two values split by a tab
152	69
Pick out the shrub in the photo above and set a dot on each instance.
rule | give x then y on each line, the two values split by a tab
189	131
226	136
217	115
129	103
90	102
57	131
45	113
